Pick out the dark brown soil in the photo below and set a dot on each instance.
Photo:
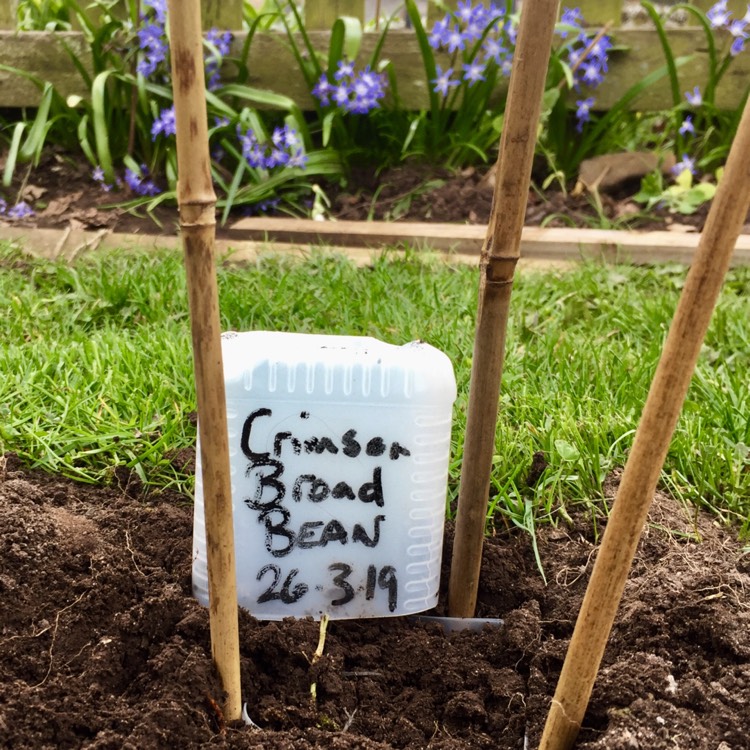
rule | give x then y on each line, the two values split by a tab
102	645
64	195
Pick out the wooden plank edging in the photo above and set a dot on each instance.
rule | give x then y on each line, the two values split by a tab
536	242
249	239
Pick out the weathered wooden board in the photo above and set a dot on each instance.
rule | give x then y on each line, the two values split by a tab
44	55
272	66
536	242
360	241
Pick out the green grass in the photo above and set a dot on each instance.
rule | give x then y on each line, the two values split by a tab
97	371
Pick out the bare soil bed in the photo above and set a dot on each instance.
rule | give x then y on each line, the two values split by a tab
63	195
103	646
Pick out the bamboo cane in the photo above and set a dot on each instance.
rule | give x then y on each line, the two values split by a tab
500	253
197	202
644	464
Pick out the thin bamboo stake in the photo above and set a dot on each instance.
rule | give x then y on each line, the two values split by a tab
497	265
198	225
644	464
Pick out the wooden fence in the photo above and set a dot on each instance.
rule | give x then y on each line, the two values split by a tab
271	65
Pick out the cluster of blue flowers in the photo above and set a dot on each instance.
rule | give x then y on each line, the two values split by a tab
221	42
165	124
152	38
719	17
587	59
487	38
140	182
283	150
21	210
461	31
358	92
153	51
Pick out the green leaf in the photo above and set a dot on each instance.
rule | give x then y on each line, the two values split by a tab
567	451
327	125
257	96
83	139
428	57
550	98
101	129
35	140
12	157
346	38
233	188
674	82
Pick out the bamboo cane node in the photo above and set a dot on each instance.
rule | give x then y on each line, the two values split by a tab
198	213
197	224
499	269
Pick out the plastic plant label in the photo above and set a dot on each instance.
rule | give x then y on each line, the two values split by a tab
339	450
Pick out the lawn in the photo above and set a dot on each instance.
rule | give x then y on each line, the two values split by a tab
97	368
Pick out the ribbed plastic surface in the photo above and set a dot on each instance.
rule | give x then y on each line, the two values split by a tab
339	450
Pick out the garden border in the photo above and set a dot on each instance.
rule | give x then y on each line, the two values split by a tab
248	239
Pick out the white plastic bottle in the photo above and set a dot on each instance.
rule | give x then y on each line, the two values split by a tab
339	450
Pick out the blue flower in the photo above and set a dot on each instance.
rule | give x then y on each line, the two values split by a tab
165	124
322	90
160	9
98	176
494	50
358	92
276	158
140	183
285	149
600	48
287	138
345	70
341	95
438	34
591	73
443	83
297	159
738	45
694	97
687	125
251	149
474	30
455	39
21	210
473	72
686	164
718	15
221	42
583	111
570	17
152	41
466	12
